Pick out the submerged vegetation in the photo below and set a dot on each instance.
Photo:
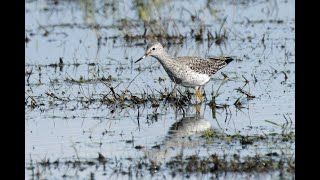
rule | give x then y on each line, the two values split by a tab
272	161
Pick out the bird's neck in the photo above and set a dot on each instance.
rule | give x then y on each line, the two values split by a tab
165	59
168	63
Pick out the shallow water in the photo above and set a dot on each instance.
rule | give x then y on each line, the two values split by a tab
74	122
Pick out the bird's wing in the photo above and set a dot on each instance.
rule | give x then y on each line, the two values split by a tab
204	65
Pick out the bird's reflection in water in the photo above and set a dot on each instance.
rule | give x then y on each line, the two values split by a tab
189	125
181	135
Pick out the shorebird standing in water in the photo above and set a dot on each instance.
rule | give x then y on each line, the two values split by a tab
187	71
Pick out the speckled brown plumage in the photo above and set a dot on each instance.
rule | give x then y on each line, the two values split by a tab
187	71
207	66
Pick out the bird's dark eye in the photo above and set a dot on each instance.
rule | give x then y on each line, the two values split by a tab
153	48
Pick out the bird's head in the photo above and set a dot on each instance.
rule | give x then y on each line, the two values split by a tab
153	50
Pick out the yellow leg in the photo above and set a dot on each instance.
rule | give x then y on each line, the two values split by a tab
198	107
198	93
196	99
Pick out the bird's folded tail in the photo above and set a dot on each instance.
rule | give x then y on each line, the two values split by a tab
228	59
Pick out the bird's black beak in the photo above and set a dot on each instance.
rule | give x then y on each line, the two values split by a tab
140	59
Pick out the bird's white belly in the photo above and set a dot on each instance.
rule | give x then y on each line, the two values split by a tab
185	76
195	79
